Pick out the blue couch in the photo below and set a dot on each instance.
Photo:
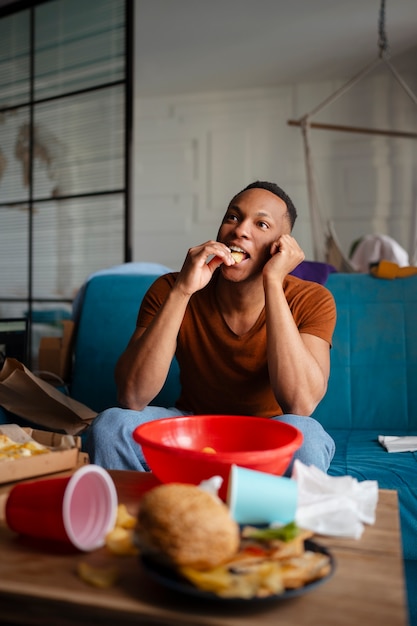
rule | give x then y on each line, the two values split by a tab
371	391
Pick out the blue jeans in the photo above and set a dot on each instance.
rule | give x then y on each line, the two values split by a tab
109	441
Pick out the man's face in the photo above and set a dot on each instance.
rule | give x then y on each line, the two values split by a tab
254	220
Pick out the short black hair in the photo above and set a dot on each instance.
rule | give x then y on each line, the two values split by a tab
275	189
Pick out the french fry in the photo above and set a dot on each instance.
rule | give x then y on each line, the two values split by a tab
124	519
264	565
102	577
120	541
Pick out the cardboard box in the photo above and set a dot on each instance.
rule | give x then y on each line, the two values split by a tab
58	460
55	353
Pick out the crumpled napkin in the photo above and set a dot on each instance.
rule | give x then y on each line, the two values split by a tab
333	505
212	485
398	444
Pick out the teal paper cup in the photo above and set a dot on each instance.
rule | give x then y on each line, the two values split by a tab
259	498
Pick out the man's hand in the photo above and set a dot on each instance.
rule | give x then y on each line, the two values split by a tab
298	363
198	267
286	254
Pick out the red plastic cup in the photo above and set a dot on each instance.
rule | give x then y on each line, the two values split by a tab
80	509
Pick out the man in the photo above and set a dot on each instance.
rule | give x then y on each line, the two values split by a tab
250	339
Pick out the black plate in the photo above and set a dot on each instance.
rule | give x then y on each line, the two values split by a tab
170	579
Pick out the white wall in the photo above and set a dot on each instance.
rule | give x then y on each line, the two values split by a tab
193	152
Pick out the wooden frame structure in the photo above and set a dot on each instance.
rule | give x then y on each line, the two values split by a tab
320	229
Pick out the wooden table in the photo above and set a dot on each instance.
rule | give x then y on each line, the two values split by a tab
39	585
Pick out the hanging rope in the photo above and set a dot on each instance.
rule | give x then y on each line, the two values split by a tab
339	92
384	50
317	224
382	39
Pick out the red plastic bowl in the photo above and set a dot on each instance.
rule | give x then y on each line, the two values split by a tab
173	446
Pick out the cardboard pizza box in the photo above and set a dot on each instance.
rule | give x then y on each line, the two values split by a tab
64	454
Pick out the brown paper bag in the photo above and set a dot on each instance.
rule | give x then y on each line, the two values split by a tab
34	399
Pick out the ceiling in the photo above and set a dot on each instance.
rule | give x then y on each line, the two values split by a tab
211	45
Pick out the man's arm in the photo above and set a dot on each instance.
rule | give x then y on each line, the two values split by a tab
143	367
299	364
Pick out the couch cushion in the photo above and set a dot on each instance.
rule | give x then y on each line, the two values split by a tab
359	454
374	354
410	567
107	320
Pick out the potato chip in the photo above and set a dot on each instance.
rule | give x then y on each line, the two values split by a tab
298	571
238	256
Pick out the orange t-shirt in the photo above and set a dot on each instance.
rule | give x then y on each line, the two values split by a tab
221	372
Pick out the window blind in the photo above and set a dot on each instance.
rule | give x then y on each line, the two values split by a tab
64	98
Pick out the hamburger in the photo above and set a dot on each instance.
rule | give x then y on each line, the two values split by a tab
184	526
192	532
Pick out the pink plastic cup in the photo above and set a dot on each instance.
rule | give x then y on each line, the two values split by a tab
80	509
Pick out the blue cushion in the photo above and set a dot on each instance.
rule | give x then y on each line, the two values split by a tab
359	454
4	416
107	321
7	417
374	354
140	267
411	586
